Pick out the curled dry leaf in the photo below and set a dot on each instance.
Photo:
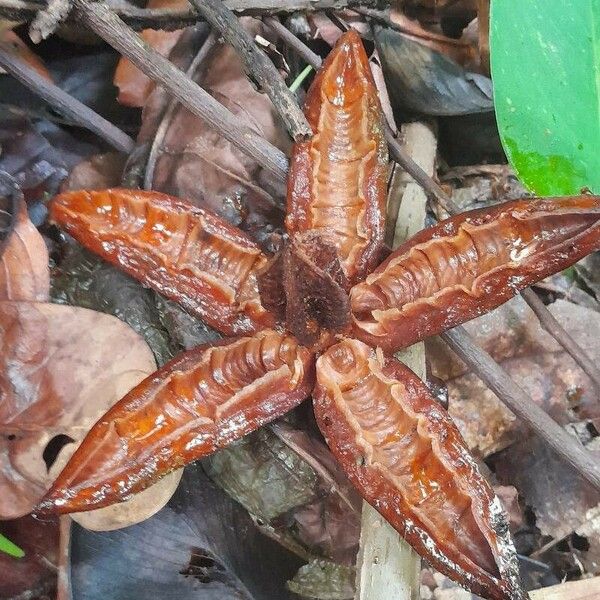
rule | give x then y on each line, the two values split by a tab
24	273
61	368
134	86
463	51
195	163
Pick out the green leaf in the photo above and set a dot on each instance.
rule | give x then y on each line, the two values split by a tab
545	59
9	548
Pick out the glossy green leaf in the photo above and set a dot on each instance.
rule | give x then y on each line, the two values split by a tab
9	548
545	59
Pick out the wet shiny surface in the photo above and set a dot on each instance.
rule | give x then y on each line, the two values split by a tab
470	264
337	180
201	401
183	252
406	457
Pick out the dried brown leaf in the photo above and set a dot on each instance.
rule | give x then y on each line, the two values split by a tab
61	368
24	273
197	164
98	172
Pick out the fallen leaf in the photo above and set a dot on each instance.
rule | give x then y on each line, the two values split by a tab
558	496
423	80
202	544
461	50
82	279
98	172
61	368
196	163
134	86
24	272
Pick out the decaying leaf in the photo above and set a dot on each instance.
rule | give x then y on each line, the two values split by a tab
513	336
61	368
24	273
134	86
462	51
423	80
324	580
97	172
263	474
197	164
201	545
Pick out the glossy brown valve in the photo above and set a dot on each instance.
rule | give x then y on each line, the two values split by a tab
470	264
186	253
406	457
337	183
199	402
323	290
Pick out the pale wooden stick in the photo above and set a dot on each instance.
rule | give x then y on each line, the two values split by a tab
387	567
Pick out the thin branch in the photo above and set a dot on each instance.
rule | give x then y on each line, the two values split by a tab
63	102
498	380
293	42
169	19
258	66
109	27
558	332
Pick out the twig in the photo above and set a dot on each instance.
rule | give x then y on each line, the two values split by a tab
558	332
109	27
258	66
63	102
289	39
431	187
498	380
170	19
